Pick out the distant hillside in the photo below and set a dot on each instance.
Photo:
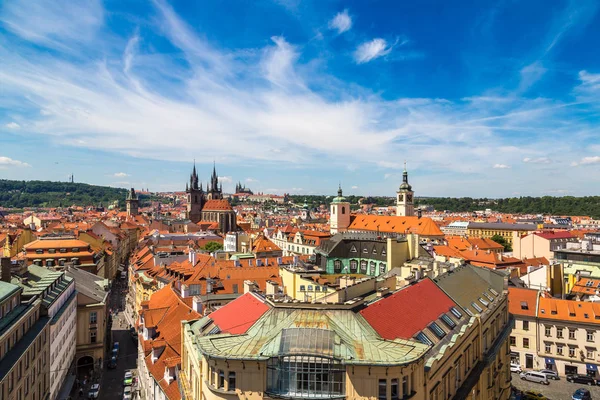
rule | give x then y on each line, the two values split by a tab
20	194
566	205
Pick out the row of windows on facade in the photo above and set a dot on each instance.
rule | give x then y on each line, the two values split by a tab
590	351
61	262
397	392
216	378
365	266
590	334
53	251
11	341
311	288
366	250
8	306
23	391
302	250
18	370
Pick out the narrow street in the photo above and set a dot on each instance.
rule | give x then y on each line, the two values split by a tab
112	381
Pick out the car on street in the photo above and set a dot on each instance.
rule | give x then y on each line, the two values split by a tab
112	364
127	393
582	394
550	374
531	395
515	368
128	379
534	376
94	391
578	378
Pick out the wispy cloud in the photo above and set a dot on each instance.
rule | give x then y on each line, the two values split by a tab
586	161
354	187
501	166
12	125
225	179
251	180
371	50
120	174
530	74
537	160
6	162
342	22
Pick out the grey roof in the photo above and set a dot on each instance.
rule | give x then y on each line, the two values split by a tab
468	284
88	284
502	225
39	279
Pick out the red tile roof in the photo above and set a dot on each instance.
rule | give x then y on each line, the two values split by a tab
549	235
522	301
392	224
408	311
217	205
239	315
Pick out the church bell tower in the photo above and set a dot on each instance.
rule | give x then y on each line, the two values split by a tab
133	203
339	217
404	197
195	198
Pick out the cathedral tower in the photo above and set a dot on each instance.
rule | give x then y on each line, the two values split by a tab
195	198
404	199
133	203
339	217
214	190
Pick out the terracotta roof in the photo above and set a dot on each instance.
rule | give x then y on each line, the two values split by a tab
55	244
393	224
408	311
217	205
569	310
239	315
263	245
550	235
522	301
586	286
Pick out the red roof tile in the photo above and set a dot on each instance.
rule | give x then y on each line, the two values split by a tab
408	311
239	315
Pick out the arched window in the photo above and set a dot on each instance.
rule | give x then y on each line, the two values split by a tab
363	266
381	268
373	266
353	266
337	266
343	210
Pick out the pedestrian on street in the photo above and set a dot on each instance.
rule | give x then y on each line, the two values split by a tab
80	392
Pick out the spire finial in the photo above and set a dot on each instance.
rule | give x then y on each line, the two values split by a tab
404	165
340	189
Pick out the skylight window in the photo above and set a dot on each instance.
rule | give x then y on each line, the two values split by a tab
456	313
490	298
469	312
476	307
448	321
435	328
484	302
524	305
421	337
493	292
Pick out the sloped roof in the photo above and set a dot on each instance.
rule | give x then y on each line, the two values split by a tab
550	235
217	205
240	314
569	310
408	311
522	301
393	224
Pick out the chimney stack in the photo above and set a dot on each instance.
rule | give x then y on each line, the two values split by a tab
5	264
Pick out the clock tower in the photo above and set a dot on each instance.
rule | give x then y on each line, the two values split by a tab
404	197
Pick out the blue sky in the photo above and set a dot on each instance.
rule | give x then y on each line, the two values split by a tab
481	98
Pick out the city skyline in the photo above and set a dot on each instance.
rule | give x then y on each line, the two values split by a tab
290	96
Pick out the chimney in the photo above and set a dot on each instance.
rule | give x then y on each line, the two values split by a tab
197	304
272	288
5	264
382	291
192	257
249	286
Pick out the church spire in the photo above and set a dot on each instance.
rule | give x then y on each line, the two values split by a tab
340	189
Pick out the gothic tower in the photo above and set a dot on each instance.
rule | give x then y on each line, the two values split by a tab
133	203
339	217
214	191
404	199
195	198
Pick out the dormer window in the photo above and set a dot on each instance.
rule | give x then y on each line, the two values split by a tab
63	250
75	250
39	251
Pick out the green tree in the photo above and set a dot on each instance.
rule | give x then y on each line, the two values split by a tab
501	241
213	246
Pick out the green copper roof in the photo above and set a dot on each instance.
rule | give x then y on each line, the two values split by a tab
341	334
6	289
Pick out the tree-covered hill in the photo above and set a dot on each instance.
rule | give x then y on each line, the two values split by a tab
20	194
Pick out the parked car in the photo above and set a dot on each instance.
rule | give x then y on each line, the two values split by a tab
515	368
550	374
578	378
94	391
112	364
534	376
128	379
531	395
582	394
127	393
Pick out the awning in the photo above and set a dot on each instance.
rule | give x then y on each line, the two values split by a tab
550	360
591	367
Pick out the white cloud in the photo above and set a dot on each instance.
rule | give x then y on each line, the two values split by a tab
270	107
530	74
225	179
501	166
354	187
538	160
120	174
371	50
12	125
251	180
55	23
587	161
6	162
341	22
